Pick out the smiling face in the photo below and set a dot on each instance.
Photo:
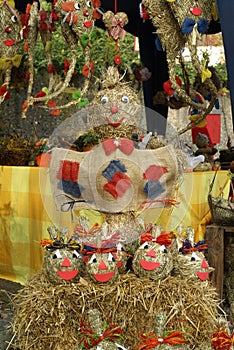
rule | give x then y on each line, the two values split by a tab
10	30
152	260
63	266
193	265
102	267
116	103
79	15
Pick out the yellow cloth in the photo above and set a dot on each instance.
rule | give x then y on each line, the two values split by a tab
27	208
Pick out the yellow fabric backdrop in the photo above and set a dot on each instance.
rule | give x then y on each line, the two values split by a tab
27	209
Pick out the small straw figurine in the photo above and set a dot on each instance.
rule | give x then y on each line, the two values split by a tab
161	338
190	261
99	335
62	263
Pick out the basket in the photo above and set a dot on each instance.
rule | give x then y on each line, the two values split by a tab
222	210
19	157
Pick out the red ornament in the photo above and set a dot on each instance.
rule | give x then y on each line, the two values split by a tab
117	60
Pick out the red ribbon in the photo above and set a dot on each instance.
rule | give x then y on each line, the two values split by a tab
151	340
163	239
110	145
112	333
222	340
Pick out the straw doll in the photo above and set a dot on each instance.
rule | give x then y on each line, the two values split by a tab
100	258
168	18
63	263
11	39
153	259
190	261
162	338
98	334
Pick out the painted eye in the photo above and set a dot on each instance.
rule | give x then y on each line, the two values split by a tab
75	254
110	257
125	99
194	257
14	19
104	99
93	259
57	255
89	3
144	246
163	249
77	6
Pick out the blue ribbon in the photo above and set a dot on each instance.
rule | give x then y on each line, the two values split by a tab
189	23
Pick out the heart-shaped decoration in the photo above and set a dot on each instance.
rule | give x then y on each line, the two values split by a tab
196	11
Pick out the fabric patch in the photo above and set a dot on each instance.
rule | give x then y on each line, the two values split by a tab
113	167
68	170
118	185
70	187
154	172
153	189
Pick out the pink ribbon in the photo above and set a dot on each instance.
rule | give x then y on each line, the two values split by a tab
110	145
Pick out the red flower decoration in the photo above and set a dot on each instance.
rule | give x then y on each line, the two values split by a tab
87	71
52	104
117	60
51	68
39	94
9	42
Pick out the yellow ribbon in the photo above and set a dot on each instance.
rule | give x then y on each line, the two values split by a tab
206	74
214	12
194	118
6	62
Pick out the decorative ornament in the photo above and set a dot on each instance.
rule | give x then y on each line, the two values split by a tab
99	335
115	24
62	262
153	259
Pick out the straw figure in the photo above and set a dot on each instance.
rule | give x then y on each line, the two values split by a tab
153	259
190	261
77	24
11	39
101	258
62	262
177	23
98	334
163	338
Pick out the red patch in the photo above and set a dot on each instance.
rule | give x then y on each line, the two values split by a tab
88	24
104	277
204	264
151	253
203	276
149	265
9	42
119	264
154	172
196	11
67	275
68	6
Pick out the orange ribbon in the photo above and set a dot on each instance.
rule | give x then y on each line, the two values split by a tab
151	340
222	340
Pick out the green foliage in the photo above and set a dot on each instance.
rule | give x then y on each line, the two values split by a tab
103	52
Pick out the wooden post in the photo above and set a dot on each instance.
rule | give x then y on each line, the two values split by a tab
214	238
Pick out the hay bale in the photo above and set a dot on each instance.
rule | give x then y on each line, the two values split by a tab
48	316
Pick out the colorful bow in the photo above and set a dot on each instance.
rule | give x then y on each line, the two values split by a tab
111	332
163	239
221	340
151	340
188	248
59	243
125	145
189	23
6	62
